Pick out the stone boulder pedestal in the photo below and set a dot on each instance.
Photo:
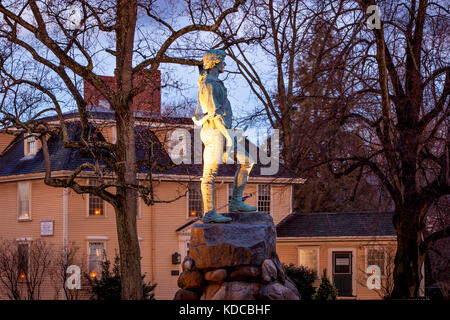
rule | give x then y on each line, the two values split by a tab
238	261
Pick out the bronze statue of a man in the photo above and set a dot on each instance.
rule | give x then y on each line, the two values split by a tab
215	124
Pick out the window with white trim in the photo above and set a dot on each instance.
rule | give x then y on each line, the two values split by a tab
96	204
30	146
376	256
309	257
23	201
195	202
264	198
95	258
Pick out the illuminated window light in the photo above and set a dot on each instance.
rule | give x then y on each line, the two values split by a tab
98	212
193	213
22	276
93	275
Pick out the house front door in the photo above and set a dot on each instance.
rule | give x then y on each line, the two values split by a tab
342	272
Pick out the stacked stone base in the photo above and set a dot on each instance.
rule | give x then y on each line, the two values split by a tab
235	261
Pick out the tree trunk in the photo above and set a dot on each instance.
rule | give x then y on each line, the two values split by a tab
130	266
126	208
126	211
406	270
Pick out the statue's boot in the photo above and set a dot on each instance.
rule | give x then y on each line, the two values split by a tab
214	217
240	181
211	216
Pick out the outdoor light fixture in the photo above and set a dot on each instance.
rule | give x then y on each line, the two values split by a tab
176	258
22	276
93	275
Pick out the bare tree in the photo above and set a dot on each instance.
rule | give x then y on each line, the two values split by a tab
10	274
296	42
387	276
40	261
62	53
64	258
24	268
296	68
406	121
389	92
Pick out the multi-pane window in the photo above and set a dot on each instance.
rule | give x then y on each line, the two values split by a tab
22	260
308	257
264	198
195	205
96	257
96	204
375	256
23	205
30	146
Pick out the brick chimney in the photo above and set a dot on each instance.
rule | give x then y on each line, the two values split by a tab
148	100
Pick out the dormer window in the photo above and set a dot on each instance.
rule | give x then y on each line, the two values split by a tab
31	147
103	103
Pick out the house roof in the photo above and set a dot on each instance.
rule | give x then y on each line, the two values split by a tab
13	162
101	113
336	224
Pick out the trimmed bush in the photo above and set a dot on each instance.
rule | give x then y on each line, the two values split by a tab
326	290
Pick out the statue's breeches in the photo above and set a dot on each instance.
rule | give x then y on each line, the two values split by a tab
214	143
213	154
